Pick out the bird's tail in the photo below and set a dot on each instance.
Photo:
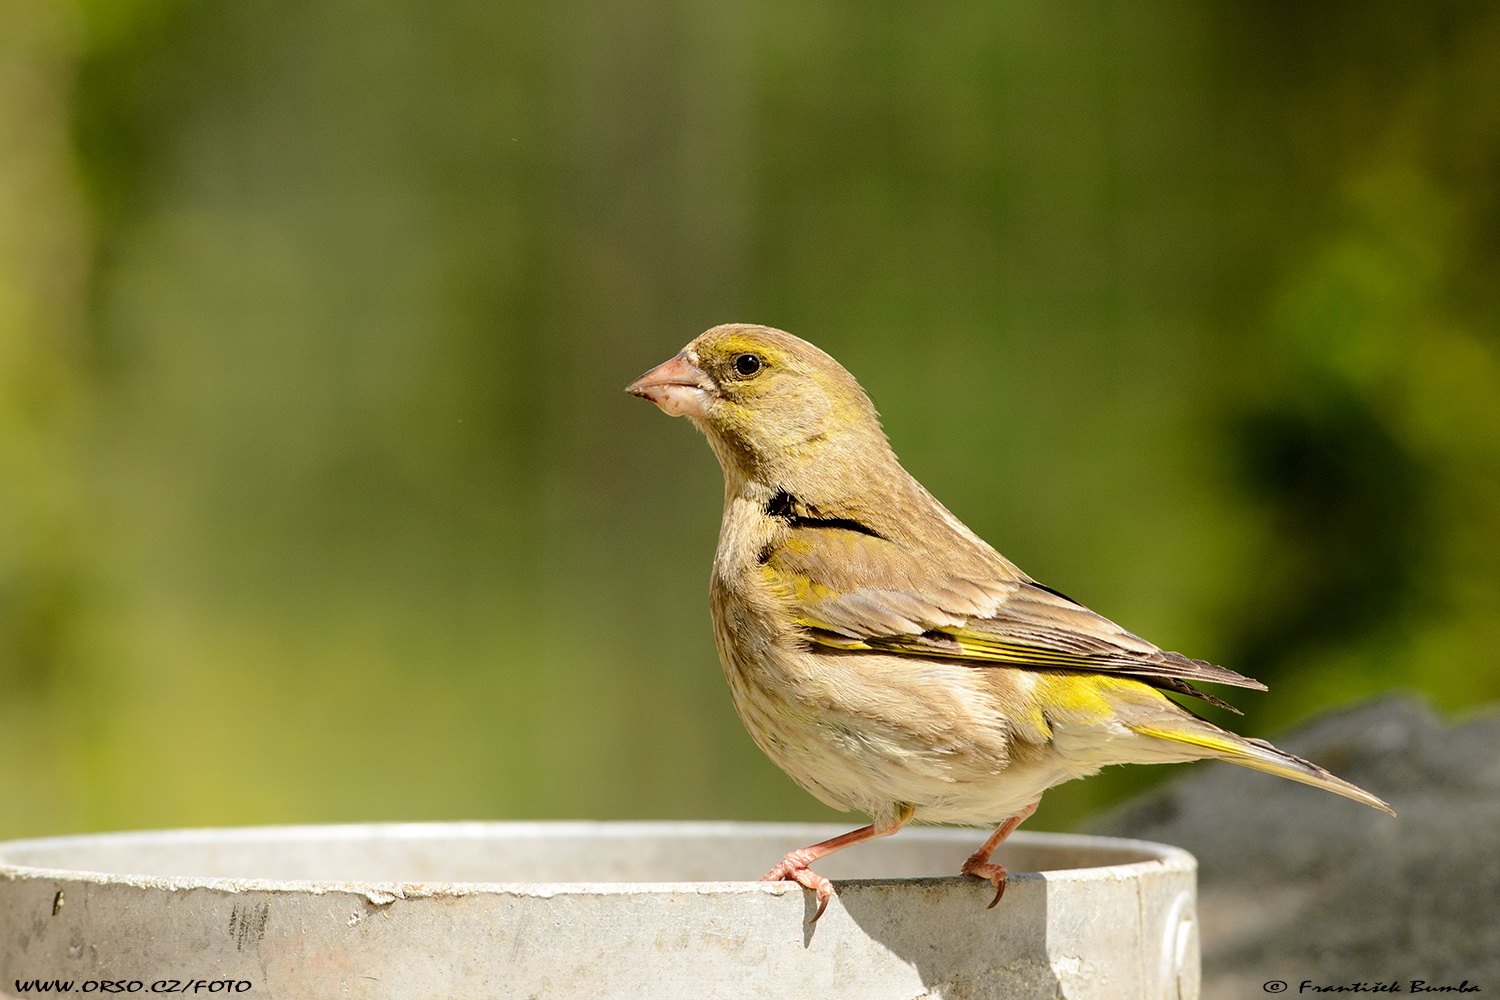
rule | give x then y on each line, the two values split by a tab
1261	756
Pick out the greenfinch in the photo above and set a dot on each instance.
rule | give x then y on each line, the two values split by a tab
881	653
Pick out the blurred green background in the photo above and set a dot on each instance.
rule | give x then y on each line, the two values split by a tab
319	496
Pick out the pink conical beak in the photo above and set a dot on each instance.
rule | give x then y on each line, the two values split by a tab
678	386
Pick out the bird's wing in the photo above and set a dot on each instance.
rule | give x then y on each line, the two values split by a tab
856	591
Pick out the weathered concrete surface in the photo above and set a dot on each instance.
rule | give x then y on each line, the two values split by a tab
1297	884
606	910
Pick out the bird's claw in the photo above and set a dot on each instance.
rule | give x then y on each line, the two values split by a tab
794	869
996	874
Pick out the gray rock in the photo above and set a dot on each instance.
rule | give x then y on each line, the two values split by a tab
1297	884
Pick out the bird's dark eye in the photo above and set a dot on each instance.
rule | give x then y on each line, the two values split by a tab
747	365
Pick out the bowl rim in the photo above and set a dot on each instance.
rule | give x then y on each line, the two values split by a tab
1141	857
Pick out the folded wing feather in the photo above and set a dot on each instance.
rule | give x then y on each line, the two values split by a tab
852	590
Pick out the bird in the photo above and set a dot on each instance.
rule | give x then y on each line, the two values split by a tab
881	653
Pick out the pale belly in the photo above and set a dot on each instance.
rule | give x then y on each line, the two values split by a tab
869	733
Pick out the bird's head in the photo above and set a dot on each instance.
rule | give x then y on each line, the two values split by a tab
777	410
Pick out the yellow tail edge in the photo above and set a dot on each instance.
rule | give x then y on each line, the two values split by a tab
1262	756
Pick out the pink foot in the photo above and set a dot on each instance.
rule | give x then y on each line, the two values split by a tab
978	867
979	864
793	868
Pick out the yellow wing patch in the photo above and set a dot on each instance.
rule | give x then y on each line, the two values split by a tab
958	643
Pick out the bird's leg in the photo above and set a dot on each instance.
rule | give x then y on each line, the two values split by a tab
793	867
979	864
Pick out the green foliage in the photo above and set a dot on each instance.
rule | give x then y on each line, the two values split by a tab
319	499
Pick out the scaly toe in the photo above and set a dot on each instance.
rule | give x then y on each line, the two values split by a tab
790	870
810	879
996	874
785	871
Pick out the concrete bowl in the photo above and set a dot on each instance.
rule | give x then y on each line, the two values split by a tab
553	910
